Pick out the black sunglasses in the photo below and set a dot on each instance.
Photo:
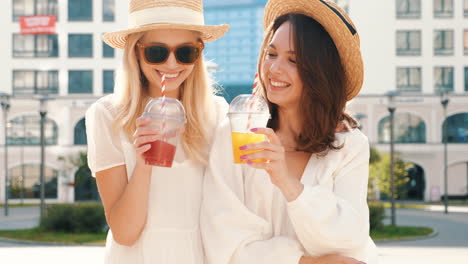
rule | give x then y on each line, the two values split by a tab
155	54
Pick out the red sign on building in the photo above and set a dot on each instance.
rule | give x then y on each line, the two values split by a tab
36	25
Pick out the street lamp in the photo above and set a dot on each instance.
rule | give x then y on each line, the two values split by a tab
391	109
444	100
43	98
5	103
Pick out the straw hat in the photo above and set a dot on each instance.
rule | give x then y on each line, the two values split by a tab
173	14
338	25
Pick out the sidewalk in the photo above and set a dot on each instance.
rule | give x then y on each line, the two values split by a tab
450	245
19	218
452	228
451	209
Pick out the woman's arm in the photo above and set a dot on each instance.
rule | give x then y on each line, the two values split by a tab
336	217
332	219
125	203
231	232
329	259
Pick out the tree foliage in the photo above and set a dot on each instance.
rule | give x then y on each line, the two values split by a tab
379	174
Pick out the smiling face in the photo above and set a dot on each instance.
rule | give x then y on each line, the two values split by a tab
280	73
175	72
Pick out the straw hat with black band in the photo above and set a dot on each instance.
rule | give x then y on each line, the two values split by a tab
146	15
338	25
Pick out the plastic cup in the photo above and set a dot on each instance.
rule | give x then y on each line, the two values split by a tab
247	111
168	120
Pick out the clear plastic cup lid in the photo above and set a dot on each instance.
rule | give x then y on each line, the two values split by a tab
172	109
249	104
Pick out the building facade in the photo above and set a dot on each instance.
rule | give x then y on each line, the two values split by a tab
416	47
75	67
419	49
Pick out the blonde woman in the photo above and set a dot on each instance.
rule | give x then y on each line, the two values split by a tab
306	201
153	212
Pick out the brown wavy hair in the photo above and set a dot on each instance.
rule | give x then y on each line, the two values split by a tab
323	99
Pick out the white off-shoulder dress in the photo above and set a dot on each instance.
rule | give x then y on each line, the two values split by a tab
246	219
171	234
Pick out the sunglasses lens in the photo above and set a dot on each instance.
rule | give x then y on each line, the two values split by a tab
156	54
187	54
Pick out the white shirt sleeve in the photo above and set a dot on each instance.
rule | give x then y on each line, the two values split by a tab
336	219
104	145
231	232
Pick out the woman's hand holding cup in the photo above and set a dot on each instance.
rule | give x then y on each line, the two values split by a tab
142	138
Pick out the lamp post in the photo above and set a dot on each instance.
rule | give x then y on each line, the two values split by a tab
5	103
43	113
466	180
444	100
391	107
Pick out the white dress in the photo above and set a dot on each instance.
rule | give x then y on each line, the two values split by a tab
171	234
246	219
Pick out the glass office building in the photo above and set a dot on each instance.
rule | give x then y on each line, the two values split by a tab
236	54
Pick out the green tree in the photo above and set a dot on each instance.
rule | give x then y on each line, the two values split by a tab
84	183
379	174
372	185
374	156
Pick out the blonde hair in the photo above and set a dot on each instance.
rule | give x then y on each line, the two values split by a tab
196	94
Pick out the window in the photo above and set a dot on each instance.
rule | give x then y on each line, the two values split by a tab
443	42
107	51
80	82
408	128
408	43
80	45
34	46
408	8
108	10
465	8
465	41
466	79
409	79
80	133
443	8
108	81
80	10
35	82
25	131
443	79
24	182
34	7
457	128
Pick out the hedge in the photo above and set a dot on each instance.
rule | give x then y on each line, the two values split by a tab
74	218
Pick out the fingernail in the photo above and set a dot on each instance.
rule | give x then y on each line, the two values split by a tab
254	129
243	147
249	162
243	157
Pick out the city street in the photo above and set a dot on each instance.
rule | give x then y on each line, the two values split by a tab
449	246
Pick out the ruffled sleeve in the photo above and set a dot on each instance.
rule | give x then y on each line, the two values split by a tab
104	145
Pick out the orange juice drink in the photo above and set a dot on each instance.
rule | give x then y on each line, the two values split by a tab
241	139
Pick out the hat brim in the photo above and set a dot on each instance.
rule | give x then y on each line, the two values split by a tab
346	40
117	39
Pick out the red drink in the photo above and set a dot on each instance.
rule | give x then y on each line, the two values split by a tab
160	154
